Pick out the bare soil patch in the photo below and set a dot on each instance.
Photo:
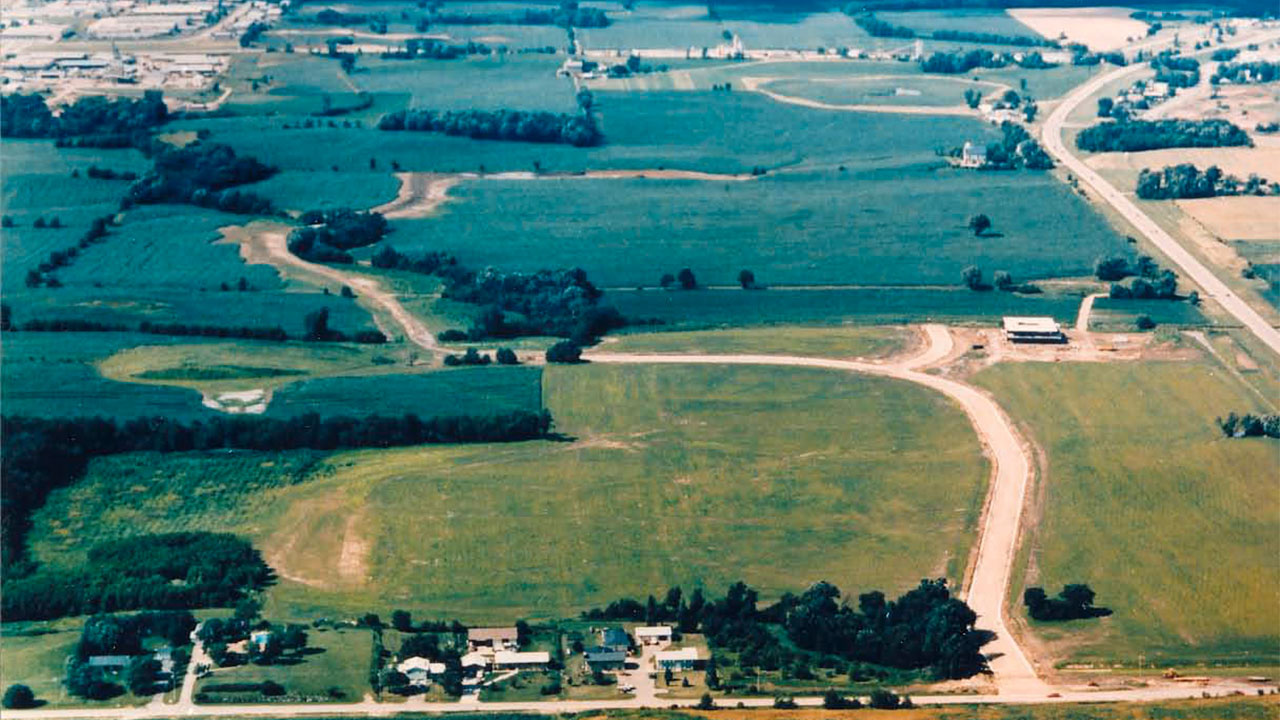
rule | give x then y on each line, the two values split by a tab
1101	28
1237	218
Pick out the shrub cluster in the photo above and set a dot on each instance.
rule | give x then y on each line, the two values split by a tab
517	125
1178	72
1073	603
330	233
168	571
200	174
1250	425
952	63
1260	71
42	274
1186	181
1139	135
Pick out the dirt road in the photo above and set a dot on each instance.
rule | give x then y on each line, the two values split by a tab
1186	262
271	248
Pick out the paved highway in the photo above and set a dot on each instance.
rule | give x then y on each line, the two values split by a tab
1186	262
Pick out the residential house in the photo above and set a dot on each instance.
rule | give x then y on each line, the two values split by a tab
654	635
507	660
111	663
420	670
601	658
973	155
677	660
492	639
259	639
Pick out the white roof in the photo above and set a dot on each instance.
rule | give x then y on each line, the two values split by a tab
521	658
417	663
1031	324
475	659
653	631
681	654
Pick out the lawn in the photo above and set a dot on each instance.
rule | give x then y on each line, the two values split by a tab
830	228
837	342
721	308
1175	527
36	656
1122	315
673	477
335	659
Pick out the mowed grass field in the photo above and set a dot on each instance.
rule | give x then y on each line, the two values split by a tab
334	668
1176	528
835	342
676	475
830	228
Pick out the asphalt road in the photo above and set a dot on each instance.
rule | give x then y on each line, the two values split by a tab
1186	262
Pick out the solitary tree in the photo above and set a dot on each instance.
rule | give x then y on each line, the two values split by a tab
564	352
1002	280
686	279
19	697
1111	268
972	97
1104	106
507	356
971	277
667	280
317	327
979	224
747	279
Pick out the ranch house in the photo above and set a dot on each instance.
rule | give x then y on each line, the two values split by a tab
506	660
677	660
601	658
654	635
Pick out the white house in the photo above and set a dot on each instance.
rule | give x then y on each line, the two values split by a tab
654	635
973	155
676	660
475	663
420	670
506	660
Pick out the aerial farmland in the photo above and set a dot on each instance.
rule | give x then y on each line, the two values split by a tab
639	357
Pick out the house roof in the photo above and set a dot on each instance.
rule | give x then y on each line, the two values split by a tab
489	634
417	664
521	658
676	655
109	660
1031	324
475	659
600	654
653	631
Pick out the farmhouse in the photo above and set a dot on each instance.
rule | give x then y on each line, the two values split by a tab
654	635
474	663
260	639
506	660
601	658
420	670
1033	330
110	662
973	155
676	660
492	638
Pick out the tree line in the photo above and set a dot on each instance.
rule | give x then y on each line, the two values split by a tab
42	274
1139	135
876	27
515	125
163	572
91	120
925	628
951	63
562	303
44	454
1249	425
1182	181
316	326
1259	71
1149	281
569	14
202	174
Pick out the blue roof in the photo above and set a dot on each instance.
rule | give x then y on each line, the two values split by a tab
602	654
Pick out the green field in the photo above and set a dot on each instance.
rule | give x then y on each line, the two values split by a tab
1121	315
336	659
882	90
679	310
1172	525
302	191
837	342
828	228
461	391
982	21
521	82
674	476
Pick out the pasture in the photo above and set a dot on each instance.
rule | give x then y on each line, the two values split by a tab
515	82
1121	315
1182	543
706	131
996	22
830	228
834	342
457	391
302	191
676	475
